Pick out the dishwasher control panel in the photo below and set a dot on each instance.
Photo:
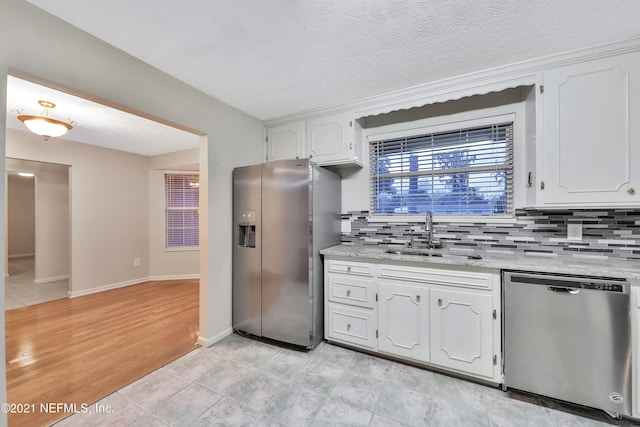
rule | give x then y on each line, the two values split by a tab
596	284
601	286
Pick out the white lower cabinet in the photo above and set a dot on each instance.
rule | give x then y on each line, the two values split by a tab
351	325
446	317
350	309
403	319
461	326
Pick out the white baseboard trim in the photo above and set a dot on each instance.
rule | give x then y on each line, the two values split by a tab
50	279
20	256
73	294
208	342
175	277
103	288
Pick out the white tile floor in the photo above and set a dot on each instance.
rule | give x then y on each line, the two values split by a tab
242	382
20	291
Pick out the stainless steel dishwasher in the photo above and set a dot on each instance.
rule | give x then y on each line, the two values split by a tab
568	338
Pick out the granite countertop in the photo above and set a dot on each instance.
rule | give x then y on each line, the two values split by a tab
629	270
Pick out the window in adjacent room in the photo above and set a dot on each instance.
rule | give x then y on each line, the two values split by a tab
459	171
181	209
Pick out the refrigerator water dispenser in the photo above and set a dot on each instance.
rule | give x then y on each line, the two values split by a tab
247	232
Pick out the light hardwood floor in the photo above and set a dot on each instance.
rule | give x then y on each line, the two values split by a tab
79	350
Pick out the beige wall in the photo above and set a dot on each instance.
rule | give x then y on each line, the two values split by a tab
21	218
52	224
165	264
53	50
108	209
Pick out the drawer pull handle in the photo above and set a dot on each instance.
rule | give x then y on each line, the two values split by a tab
348	293
348	326
631	191
440	301
418	298
349	269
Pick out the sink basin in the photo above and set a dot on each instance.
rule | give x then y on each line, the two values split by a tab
431	253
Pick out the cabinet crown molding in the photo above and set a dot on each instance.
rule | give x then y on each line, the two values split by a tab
495	79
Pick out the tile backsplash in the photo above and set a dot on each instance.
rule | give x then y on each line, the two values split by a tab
613	233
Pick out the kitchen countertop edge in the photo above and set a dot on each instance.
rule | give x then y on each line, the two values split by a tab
629	270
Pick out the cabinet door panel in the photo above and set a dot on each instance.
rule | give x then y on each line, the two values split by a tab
334	140
286	141
403	320
461	331
590	145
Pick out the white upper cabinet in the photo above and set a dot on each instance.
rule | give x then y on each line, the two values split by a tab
329	140
334	140
588	149
286	141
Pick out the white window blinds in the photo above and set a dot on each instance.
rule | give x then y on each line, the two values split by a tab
181	209
462	172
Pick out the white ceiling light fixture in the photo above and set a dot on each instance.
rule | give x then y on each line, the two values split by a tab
26	174
45	124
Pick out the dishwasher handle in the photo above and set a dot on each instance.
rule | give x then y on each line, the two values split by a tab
563	290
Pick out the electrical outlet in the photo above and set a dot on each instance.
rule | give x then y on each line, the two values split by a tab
574	231
137	262
345	226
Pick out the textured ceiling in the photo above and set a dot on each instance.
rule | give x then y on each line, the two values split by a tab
272	58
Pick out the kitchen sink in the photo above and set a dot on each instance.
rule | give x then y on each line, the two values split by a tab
429	253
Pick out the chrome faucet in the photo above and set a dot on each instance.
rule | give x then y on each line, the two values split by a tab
428	227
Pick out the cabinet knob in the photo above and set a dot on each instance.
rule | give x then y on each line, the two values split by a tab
631	191
349	269
348	326
440	301
348	293
418	298
542	185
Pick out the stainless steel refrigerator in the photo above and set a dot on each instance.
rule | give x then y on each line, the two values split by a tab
284	212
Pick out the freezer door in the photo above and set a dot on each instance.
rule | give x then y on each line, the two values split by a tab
246	250
286	290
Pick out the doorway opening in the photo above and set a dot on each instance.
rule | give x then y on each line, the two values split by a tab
37	241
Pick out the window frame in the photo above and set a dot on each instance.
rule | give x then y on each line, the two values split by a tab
427	126
167	209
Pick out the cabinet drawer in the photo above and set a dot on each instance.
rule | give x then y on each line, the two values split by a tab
352	326
465	279
353	268
350	290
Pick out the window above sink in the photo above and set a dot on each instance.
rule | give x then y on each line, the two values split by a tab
462	168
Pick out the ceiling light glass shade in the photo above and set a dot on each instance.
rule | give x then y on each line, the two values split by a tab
45	125
26	174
